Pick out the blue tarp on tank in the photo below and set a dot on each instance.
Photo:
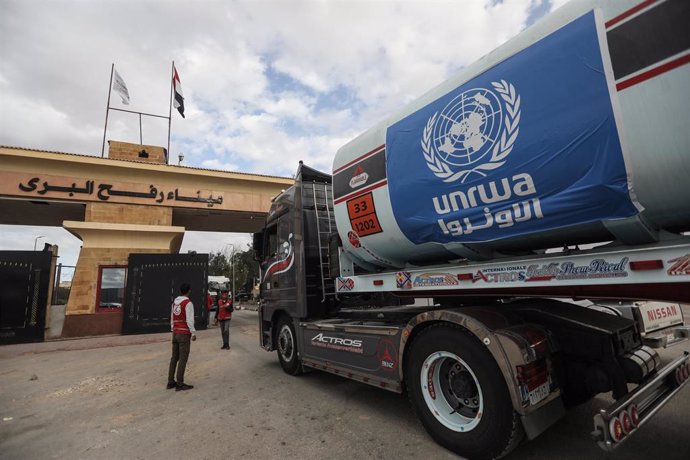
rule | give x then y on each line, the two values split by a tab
528	146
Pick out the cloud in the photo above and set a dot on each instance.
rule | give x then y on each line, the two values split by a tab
22	238
36	122
555	4
217	164
209	242
266	84
247	68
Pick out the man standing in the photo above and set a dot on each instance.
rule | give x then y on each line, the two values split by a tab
225	309
182	327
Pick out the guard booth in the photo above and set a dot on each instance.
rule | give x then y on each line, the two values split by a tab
153	282
25	284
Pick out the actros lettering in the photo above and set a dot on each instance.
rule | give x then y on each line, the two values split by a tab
337	341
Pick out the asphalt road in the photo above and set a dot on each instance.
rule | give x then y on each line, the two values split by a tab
106	398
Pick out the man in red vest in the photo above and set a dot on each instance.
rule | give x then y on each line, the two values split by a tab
224	315
182	326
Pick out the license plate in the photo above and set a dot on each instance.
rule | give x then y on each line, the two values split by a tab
658	315
539	393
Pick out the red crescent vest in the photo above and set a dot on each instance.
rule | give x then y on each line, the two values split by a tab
180	318
224	309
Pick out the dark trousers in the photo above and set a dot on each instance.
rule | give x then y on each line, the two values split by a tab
225	331
180	352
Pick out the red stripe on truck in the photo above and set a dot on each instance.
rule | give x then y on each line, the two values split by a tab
630	12
370	152
361	192
651	73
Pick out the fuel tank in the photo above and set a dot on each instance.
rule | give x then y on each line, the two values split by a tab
575	131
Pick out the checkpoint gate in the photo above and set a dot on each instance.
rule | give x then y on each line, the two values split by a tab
24	289
153	282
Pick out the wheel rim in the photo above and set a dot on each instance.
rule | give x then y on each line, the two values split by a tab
451	391
286	343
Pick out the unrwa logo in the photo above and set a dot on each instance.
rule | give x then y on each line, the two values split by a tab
477	122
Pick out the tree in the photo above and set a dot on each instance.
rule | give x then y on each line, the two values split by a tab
250	268
246	269
218	265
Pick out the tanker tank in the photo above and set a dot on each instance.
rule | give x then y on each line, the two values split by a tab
563	135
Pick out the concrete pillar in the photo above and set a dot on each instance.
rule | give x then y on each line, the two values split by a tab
110	233
53	264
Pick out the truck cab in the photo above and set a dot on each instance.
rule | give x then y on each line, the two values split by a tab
296	280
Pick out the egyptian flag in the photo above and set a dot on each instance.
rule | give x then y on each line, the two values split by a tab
178	102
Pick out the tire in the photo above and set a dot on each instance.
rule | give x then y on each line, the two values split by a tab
286	346
459	394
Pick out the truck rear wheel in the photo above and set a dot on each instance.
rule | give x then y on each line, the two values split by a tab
459	394
286	344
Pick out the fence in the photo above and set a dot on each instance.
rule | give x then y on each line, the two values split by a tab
63	284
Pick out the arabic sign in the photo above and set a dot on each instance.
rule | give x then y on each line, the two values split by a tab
48	186
528	146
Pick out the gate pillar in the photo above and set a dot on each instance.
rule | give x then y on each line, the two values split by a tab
109	235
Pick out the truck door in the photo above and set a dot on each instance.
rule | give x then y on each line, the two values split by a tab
278	287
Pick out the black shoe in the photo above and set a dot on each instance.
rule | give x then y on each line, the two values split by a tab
171	385
228	347
223	347
183	387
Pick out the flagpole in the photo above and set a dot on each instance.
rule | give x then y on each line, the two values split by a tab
172	76
105	128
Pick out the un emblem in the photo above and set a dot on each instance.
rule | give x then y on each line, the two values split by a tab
474	132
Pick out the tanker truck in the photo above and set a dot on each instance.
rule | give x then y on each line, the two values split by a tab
509	245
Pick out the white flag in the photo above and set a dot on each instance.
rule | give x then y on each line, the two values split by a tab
120	88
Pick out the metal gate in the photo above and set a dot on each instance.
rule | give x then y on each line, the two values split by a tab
24	286
153	282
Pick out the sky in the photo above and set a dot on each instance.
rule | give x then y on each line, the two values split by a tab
266	83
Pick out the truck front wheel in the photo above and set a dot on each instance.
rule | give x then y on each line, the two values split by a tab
459	394
286	344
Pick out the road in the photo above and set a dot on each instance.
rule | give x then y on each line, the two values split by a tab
106	398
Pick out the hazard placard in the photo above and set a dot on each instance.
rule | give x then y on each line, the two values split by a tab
363	216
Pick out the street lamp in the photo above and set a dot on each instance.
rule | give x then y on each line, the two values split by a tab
232	265
36	240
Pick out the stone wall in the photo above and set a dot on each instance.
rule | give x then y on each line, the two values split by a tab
81	318
109	234
118	150
82	296
128	214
